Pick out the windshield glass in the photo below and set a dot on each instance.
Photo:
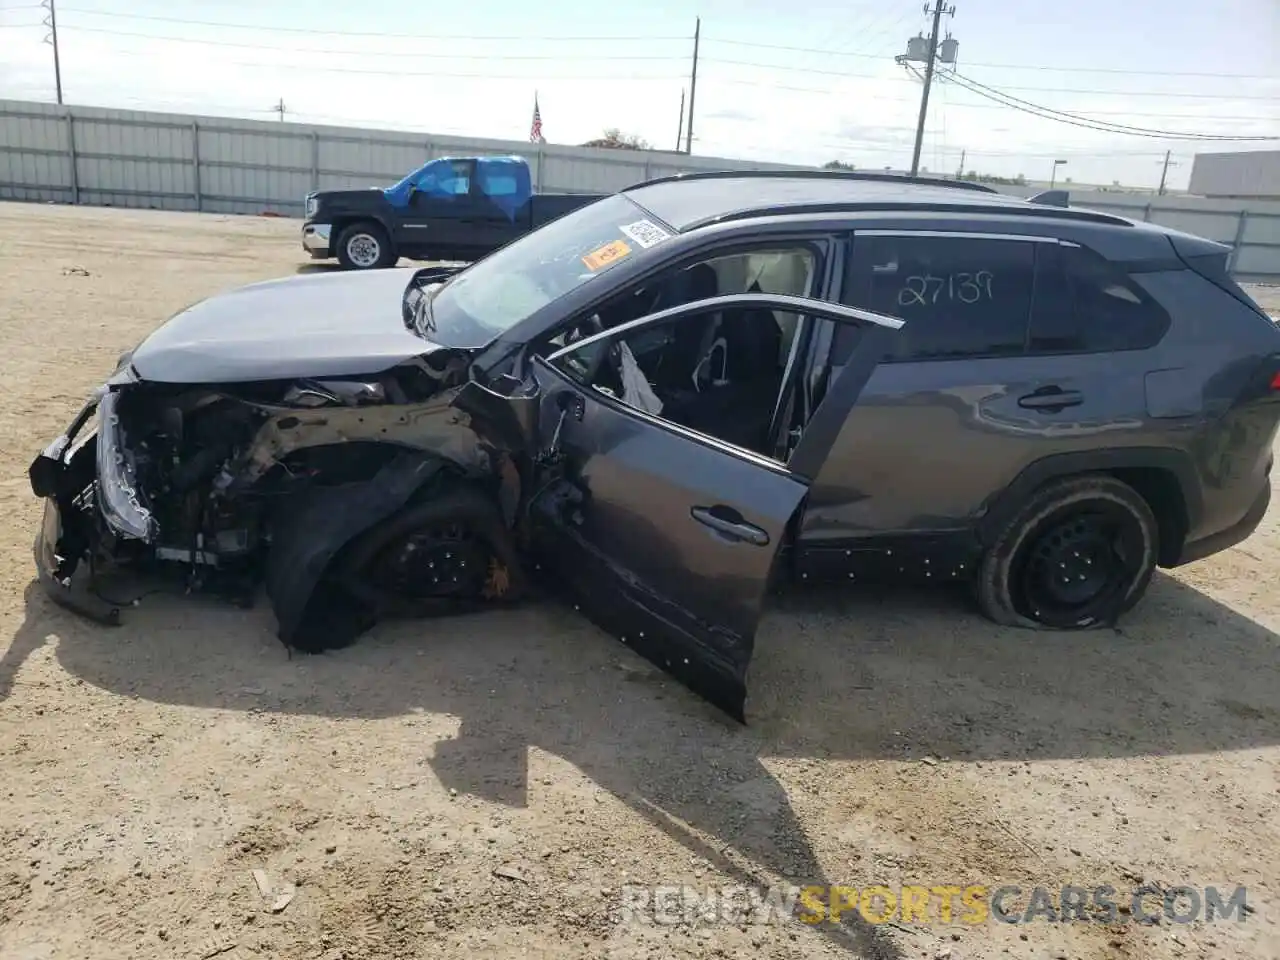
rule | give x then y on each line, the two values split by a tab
493	295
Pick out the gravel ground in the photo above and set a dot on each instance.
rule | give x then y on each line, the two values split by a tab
895	737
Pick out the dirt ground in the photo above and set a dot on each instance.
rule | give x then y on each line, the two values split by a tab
894	738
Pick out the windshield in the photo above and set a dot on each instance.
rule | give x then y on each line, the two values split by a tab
493	295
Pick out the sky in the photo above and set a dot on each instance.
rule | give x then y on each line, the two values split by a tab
804	84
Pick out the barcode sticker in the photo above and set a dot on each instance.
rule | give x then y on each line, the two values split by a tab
645	232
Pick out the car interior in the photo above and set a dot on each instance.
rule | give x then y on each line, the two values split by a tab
719	373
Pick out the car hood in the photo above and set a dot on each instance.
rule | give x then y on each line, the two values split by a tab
322	325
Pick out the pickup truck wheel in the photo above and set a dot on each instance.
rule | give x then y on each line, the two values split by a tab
365	246
1079	553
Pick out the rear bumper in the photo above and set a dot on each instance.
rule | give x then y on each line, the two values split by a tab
1238	532
315	239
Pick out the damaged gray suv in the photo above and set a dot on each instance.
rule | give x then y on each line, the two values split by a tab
678	395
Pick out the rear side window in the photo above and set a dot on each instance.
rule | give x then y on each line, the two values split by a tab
960	296
1086	304
498	184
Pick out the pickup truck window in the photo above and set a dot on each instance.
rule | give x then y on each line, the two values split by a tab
438	177
496	293
493	184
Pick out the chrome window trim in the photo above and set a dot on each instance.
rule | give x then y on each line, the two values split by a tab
955	234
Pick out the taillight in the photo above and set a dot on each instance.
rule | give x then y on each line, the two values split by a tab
1263	384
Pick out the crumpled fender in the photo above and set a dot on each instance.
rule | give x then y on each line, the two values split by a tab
311	529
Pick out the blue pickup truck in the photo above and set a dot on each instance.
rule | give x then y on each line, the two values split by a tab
452	208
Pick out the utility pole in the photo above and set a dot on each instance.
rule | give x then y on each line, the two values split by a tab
960	169
280	109
1164	173
680	125
939	8
51	21
693	86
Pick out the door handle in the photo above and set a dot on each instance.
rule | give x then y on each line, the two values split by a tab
731	525
1051	399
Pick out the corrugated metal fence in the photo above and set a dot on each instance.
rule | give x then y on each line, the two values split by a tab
169	161
173	162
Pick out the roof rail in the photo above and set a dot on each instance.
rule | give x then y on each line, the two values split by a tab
819	175
1037	210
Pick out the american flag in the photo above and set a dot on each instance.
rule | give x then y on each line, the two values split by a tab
535	131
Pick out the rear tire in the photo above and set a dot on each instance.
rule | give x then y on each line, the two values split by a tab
365	246
1078	554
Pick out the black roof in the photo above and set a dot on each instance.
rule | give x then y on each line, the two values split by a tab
690	201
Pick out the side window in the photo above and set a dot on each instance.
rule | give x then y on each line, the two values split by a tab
1089	305
959	296
455	179
498	185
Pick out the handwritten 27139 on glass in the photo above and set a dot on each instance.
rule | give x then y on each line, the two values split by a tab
964	287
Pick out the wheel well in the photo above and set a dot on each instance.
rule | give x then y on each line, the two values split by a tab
1165	479
1163	493
341	223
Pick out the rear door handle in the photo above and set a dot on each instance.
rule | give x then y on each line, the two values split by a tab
1051	399
729	522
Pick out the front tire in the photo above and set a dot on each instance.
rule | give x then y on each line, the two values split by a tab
448	553
365	246
1077	555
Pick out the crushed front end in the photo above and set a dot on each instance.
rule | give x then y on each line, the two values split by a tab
202	484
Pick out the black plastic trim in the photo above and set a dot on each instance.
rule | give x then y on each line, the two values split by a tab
1007	502
1217	542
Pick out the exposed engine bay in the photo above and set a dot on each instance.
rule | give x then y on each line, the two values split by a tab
207	482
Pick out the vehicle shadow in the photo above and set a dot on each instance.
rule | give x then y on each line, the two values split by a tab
838	675
318	267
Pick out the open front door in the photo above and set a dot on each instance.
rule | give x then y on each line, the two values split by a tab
667	536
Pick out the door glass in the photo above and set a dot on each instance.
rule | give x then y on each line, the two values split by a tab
719	373
959	296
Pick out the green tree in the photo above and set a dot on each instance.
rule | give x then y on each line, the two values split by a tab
615	139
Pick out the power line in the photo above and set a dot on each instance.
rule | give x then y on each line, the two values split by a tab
863	28
351	33
1003	66
621	78
1078	120
1105	93
642	38
417	55
1145	93
827	91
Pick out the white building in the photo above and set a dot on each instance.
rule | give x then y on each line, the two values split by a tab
1243	175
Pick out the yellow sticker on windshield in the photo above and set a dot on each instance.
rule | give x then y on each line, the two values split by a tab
609	253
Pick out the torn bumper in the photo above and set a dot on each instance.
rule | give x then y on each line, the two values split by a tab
60	475
63	577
